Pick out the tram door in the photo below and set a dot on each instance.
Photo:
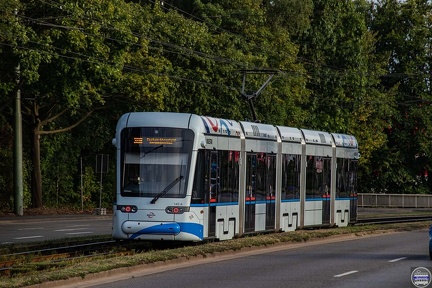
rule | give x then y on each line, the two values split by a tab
213	171
270	171
270	191
260	192
250	199
318	177
325	184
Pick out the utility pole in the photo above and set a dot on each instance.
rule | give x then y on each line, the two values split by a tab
18	166
18	163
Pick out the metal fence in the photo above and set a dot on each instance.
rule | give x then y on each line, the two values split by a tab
394	200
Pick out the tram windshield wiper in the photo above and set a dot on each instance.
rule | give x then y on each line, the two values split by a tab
150	151
163	192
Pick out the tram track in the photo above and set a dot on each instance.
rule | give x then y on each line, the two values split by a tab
29	258
43	257
393	219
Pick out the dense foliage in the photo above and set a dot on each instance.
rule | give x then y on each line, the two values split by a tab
353	66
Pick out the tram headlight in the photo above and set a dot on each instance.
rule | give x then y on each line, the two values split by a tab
176	209
127	208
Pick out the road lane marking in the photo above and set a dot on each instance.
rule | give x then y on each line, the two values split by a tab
346	273
64	230
28	237
35	228
75	233
398	259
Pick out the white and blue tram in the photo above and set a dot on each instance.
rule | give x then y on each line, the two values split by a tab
185	177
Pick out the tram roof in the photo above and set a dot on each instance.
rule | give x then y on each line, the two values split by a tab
221	126
344	140
259	130
234	129
290	134
317	137
160	119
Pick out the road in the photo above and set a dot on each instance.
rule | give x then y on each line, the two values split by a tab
384	261
31	228
41	228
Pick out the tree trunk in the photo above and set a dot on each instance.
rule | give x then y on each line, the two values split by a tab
36	176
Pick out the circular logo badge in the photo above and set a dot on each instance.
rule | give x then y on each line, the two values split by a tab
421	277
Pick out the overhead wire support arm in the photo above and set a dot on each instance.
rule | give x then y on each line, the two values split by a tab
250	97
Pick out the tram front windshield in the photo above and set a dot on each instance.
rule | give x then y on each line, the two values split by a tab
155	162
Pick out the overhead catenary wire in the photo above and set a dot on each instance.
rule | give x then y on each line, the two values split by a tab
125	67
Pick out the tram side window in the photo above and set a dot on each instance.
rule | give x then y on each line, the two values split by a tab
217	172
200	186
229	176
250	177
324	189
291	177
346	177
214	176
311	178
271	177
352	177
341	172
260	176
317	176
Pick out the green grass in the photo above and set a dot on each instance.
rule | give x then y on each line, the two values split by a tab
85	266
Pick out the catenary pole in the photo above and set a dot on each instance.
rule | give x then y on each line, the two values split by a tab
18	166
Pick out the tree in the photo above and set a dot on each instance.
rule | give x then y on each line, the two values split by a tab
71	58
404	30
10	29
344	75
242	36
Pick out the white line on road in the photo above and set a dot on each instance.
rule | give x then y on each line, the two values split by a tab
75	233
28	237
36	228
346	273
398	259
64	230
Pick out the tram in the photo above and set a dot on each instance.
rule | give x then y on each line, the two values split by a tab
186	177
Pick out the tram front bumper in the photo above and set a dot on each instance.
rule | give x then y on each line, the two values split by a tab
159	228
163	230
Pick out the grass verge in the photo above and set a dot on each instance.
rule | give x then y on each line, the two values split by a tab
85	266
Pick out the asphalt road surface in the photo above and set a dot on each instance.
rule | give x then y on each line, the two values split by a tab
384	261
41	228
19	229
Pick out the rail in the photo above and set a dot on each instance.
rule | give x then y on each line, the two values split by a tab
27	258
390	220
